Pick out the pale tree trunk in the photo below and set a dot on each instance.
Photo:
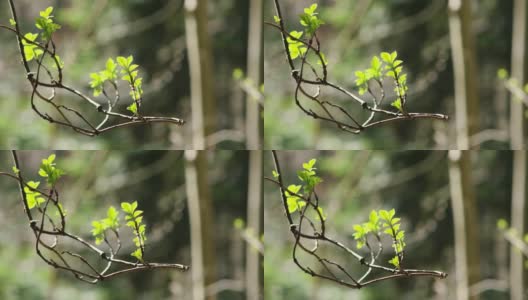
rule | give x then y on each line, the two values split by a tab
518	51
517	219
517	143
463	202
254	223
201	219
203	106
465	72
253	111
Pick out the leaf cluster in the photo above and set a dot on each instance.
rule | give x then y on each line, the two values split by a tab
388	66
47	27
128	72
311	22
134	220
130	75
294	197
45	23
100	227
49	171
381	223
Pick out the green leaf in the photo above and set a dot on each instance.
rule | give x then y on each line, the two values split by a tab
393	56
384	215
16	170
395	262
276	19
375	63
98	231
111	67
397	103
33	198
392	212
12	22
46	13
122	61
30	36
59	60
311	10
322	61
294	189
309	165
127	208
320	213
292	204
137	254
133	108
275	174
49	171
386	57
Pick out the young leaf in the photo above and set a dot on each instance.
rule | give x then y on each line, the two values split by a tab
46	13
386	57
133	108
397	104
395	262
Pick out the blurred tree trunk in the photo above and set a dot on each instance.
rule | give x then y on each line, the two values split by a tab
254	221
255	62
517	219
464	206
201	218
203	103
518	51
517	143
465	72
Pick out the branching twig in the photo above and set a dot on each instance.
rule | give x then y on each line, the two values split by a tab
320	79
317	234
45	226
83	126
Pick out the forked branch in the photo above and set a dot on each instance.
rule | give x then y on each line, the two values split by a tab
309	230
43	54
48	222
312	74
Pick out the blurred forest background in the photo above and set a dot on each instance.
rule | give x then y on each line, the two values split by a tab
156	34
452	51
445	231
191	201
